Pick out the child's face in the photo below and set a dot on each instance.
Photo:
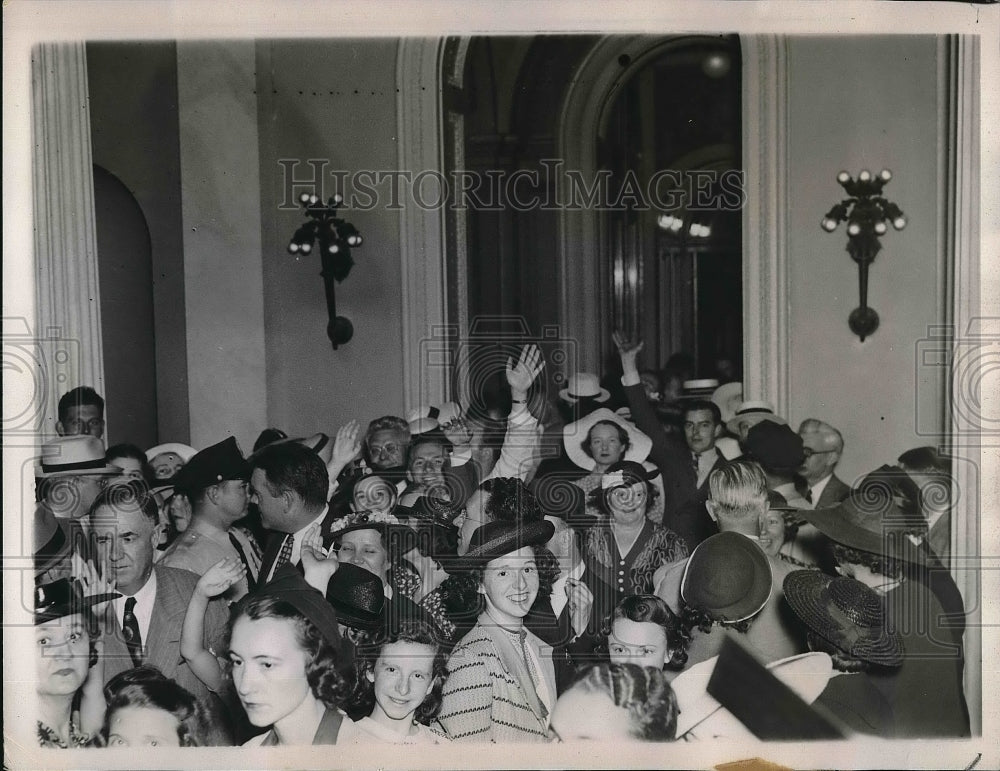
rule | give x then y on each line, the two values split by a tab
403	675
142	727
642	643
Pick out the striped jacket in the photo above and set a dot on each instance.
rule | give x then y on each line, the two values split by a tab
483	699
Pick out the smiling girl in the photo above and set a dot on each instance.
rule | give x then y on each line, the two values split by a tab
501	679
400	673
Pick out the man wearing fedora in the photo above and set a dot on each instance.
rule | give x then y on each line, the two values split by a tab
143	626
823	445
215	481
71	474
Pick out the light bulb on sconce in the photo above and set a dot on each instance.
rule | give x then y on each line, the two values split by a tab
866	212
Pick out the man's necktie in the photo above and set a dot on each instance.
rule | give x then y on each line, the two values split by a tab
809	494
285	555
694	463
130	628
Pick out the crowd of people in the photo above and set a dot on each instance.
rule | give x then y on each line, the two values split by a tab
545	570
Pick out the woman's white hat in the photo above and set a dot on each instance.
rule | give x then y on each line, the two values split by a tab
575	433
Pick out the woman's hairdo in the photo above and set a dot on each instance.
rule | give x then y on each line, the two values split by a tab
323	658
147	687
414	630
650	609
642	691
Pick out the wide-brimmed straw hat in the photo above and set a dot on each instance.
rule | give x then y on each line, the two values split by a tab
64	598
584	385
728	397
575	433
728	577
751	413
80	455
184	451
495	539
53	544
702	388
846	613
289	585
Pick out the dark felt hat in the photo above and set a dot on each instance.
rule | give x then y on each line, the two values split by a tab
728	577
289	585
846	613
775	446
64	598
357	595
212	465
495	539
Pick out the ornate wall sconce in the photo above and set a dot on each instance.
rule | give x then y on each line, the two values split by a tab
334	238
866	213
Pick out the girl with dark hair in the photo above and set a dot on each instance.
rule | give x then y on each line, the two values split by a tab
614	702
501	680
643	630
399	676
147	709
283	658
628	548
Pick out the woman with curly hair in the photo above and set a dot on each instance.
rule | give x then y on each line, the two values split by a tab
148	709
643	630
628	549
501	680
614	702
400	671
283	655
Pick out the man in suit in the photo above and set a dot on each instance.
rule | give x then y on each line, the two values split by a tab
143	626
685	466
823	446
289	483
570	618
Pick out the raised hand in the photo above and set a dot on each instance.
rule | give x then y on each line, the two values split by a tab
91	580
318	564
626	348
221	576
457	431
346	445
520	376
580	601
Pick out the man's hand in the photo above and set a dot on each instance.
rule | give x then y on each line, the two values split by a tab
91	581
580	602
520	376
318	564
457	431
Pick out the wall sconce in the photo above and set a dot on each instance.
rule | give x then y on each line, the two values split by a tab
866	213
334	237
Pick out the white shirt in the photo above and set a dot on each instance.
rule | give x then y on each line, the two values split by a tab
706	462
145	598
558	597
817	490
297	537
